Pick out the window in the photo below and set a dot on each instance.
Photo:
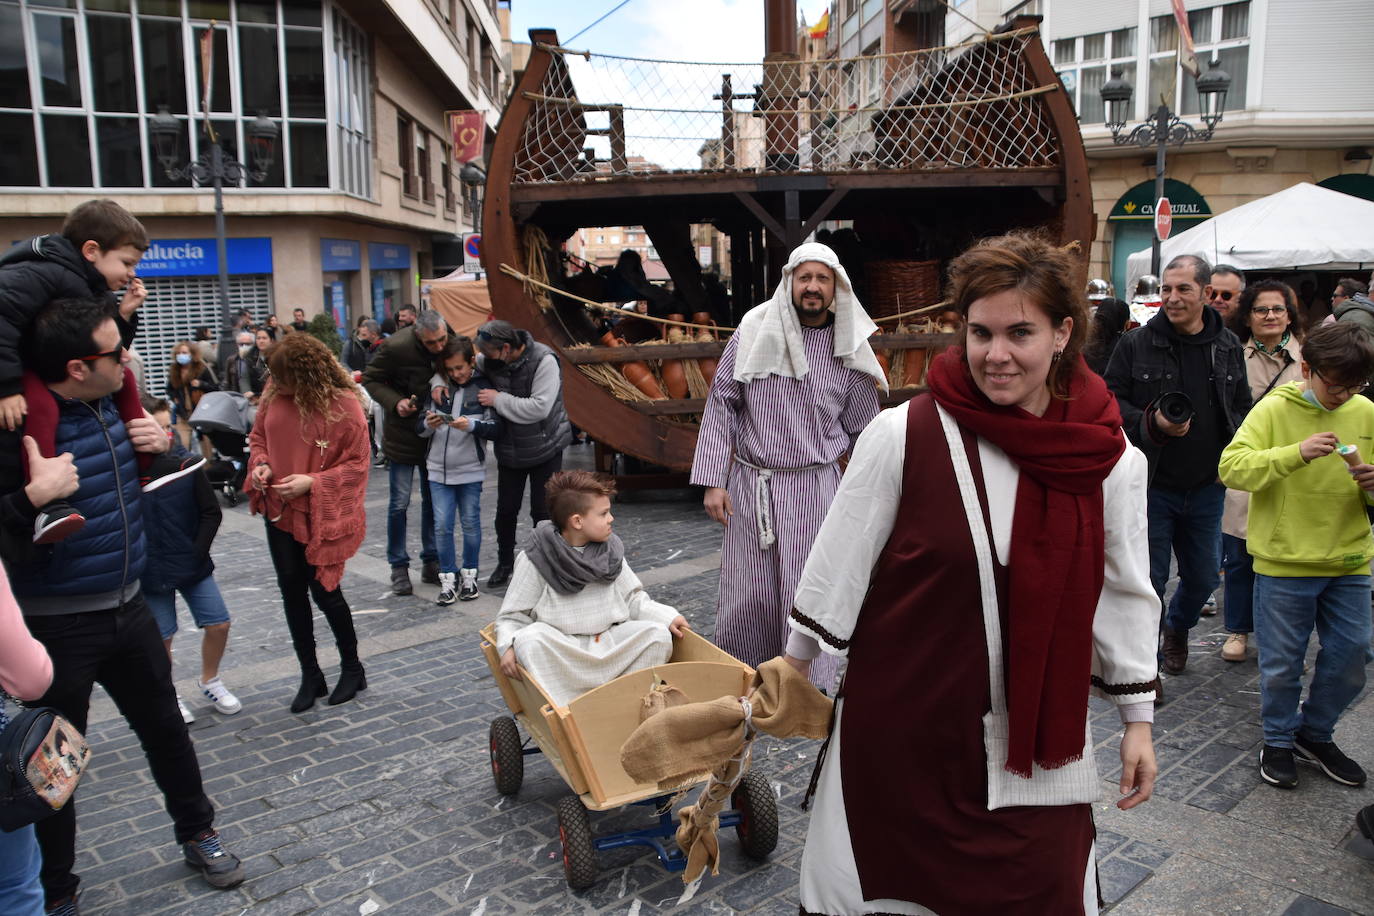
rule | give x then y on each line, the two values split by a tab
1220	32
422	165
405	155
446	177
1086	62
80	81
353	108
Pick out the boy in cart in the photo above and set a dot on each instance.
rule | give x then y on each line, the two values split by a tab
575	616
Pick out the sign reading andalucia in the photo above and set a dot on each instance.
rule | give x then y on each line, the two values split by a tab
1139	202
200	257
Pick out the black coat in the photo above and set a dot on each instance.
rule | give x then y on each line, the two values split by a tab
401	367
32	274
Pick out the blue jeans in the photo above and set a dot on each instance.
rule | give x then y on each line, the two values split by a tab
1239	594
203	598
464	500
21	893
1286	611
1188	523
402	477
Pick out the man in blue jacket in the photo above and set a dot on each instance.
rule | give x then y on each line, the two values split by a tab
81	596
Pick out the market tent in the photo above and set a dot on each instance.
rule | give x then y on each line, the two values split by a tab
464	303
1300	228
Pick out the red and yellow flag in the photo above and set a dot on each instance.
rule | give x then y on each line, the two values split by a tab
821	27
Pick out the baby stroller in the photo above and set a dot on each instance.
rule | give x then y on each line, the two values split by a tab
225	418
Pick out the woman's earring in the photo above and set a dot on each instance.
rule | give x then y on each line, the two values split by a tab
1058	354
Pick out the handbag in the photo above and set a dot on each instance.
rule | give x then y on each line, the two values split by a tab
42	757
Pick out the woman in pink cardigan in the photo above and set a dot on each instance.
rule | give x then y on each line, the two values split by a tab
309	457
25	673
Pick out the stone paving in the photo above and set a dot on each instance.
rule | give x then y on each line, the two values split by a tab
386	804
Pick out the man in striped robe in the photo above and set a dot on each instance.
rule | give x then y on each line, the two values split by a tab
795	386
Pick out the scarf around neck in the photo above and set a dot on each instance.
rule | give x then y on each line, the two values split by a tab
568	570
1058	542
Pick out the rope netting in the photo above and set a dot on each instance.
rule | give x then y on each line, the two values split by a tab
973	105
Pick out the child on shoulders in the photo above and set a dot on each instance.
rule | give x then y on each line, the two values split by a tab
575	616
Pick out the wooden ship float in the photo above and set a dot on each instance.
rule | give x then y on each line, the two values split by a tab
957	143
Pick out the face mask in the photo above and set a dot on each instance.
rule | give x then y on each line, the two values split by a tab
245	349
183	359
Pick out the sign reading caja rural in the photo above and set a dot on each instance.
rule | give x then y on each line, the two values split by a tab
1139	203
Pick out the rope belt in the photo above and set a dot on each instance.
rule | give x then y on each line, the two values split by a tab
763	511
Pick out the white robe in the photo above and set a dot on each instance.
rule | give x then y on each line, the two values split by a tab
572	643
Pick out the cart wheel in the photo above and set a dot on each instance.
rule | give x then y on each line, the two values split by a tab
757	830
575	833
507	761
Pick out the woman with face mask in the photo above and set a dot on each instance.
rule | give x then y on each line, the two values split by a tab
188	379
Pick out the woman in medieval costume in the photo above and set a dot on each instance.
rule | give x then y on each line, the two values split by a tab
308	457
959	772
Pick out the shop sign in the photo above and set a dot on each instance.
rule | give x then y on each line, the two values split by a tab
340	254
1139	202
200	257
386	256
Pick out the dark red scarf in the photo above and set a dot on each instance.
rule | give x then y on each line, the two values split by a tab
1057	549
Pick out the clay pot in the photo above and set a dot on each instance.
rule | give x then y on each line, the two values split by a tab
914	368
674	375
707	366
637	372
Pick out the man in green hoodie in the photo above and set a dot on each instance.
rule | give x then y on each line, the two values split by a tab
1311	543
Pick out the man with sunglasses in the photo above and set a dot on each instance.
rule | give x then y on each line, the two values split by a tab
1183	350
1227	285
81	597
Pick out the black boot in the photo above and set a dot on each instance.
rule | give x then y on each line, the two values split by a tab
352	678
312	686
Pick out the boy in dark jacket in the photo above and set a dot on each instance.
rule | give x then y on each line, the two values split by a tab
96	253
455	424
180	521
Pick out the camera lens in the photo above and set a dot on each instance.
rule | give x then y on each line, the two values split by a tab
1175	407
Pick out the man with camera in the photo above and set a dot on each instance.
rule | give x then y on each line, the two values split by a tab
1181	384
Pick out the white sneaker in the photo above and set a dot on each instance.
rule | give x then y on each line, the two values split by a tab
468	588
448	589
186	715
225	702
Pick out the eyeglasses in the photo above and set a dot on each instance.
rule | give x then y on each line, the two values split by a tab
117	352
1268	309
1223	294
1338	390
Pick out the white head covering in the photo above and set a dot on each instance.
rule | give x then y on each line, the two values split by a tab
769	340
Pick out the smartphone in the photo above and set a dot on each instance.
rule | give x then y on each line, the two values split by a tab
446	417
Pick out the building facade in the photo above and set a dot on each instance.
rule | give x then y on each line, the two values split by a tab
363	198
1300	106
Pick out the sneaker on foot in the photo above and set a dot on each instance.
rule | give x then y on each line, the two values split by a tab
468	589
1209	607
215	691
1233	650
222	869
1277	768
55	521
186	715
400	581
1330	760
448	588
169	467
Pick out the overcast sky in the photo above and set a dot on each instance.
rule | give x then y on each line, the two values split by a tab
705	30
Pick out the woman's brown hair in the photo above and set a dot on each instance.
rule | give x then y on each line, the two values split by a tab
316	378
1043	272
179	376
1240	321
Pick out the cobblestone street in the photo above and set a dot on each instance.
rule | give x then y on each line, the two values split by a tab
386	804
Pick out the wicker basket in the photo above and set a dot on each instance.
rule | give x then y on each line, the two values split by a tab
899	286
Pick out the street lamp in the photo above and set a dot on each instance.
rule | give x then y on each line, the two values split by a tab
1164	129
213	167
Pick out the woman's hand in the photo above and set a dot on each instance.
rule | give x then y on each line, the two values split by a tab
508	665
294	485
1138	768
679	626
262	476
